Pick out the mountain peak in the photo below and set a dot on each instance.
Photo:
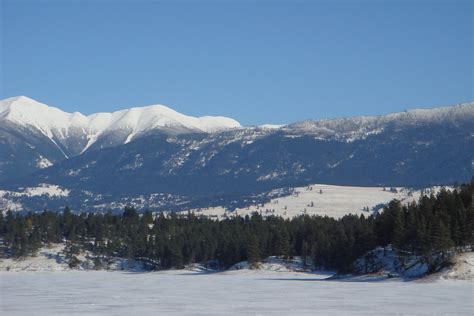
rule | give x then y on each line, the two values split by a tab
24	111
7	104
19	98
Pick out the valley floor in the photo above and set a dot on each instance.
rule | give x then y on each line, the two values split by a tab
323	200
233	292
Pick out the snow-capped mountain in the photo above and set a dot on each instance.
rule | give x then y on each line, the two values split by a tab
54	135
157	157
59	126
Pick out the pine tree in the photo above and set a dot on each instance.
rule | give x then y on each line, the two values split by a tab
253	251
2	223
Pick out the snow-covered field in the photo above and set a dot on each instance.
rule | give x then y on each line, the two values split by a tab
321	199
8	198
315	199
46	286
234	292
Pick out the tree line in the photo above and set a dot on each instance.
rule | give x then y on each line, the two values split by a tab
434	224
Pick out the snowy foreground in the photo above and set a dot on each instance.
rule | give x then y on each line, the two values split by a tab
225	293
45	285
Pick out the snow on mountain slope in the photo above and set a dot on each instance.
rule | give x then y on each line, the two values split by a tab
359	127
141	120
28	112
58	125
34	137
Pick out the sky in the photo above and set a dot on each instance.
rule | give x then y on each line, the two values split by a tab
255	61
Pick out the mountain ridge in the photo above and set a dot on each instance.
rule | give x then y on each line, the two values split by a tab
415	148
26	111
147	118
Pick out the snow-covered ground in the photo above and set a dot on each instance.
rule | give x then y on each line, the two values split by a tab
316	199
46	286
46	189
50	190
47	259
52	258
237	292
463	268
321	199
9	199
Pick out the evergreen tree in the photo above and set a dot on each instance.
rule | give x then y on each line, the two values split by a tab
253	251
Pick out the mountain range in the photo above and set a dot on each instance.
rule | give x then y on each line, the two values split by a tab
158	158
45	135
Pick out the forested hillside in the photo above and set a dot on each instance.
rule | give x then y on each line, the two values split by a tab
430	227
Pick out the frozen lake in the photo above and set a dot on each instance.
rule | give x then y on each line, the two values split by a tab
237	292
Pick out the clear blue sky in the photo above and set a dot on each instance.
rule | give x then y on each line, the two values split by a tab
256	61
